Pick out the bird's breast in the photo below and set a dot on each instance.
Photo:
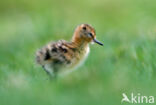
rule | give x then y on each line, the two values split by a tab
80	57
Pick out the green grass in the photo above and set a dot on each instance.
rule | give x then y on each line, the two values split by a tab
126	63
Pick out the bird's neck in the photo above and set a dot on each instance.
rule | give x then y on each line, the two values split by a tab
79	43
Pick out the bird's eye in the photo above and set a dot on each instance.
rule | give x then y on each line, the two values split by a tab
84	28
90	34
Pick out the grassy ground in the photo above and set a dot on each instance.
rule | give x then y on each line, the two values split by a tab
126	63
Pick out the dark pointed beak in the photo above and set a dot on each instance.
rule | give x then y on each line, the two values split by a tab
96	41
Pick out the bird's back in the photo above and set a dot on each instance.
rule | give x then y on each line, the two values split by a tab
58	55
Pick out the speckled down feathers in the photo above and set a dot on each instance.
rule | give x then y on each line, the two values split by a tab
58	54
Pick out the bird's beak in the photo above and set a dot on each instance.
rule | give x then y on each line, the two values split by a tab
98	42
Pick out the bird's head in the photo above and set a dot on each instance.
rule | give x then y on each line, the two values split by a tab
86	33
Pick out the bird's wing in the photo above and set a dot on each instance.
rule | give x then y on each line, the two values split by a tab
55	52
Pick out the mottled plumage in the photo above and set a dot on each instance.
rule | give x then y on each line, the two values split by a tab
62	56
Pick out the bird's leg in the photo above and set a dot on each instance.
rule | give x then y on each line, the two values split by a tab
51	73
46	70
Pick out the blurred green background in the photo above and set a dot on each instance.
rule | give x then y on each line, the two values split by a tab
126	63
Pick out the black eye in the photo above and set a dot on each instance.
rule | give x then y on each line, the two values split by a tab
90	34
84	28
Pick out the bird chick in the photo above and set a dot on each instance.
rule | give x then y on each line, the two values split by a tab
63	56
